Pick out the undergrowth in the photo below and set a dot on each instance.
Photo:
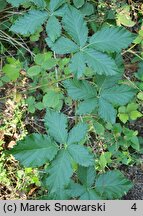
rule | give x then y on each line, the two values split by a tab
68	105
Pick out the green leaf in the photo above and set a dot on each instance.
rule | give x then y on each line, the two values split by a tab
87	9
106	111
39	3
80	155
56	124
105	82
75	26
78	65
60	171
78	3
77	133
30	22
34	70
77	190
124	16
45	60
53	99
79	89
123	117
87	175
111	39
100	62
87	106
3	5
15	3
112	185
99	129
53	28
55	4
140	96
34	150
135	114
135	143
62	45
119	95
90	194
12	69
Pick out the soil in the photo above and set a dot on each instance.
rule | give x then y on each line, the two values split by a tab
135	174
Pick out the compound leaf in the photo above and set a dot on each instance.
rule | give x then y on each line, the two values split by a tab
111	39
78	3
87	175
119	94
106	111
53	28
34	150
90	194
87	106
80	155
55	4
75	26
56	124
78	65
79	89
100	62
30	22
77	133
15	3
62	45
60	171
39	3
112	185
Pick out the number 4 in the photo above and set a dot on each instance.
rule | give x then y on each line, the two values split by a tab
134	207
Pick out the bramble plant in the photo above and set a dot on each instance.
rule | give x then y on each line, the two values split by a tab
80	67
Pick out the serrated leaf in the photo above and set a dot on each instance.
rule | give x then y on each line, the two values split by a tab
100	62
78	65
75	26
34	150
56	124
80	155
55	4
30	22
12	69
79	89
111	39
53	99
106	111
53	28
39	3
15	3
78	3
61	11
87	175
119	95
75	190
77	133
59	172
112	185
87	106
90	194
105	82
62	45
